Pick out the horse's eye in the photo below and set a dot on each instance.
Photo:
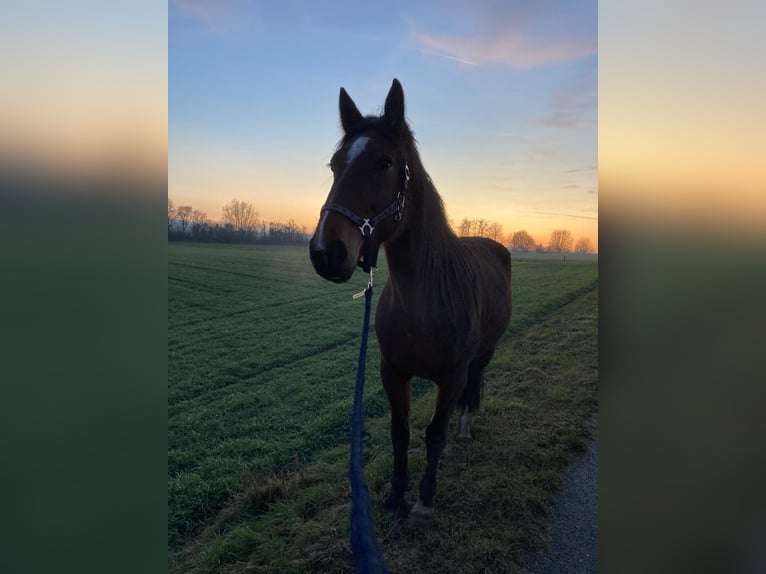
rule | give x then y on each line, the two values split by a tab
385	163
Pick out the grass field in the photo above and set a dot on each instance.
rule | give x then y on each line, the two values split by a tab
262	355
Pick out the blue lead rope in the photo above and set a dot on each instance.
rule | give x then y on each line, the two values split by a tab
368	557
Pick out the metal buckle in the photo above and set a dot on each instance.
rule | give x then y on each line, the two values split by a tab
366	225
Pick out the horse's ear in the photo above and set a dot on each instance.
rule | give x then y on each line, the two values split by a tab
349	113
393	112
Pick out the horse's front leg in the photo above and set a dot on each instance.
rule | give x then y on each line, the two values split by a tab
450	388
398	388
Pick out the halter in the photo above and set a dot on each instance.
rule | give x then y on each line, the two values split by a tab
367	225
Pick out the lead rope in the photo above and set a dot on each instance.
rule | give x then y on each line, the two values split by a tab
368	557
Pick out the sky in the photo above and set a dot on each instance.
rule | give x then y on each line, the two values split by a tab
502	97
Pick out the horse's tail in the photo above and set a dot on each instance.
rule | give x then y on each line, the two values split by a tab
471	395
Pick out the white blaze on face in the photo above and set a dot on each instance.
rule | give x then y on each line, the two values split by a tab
356	148
319	244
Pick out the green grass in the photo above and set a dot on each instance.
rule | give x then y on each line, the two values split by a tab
262	356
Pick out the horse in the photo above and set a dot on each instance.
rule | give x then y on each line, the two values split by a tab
447	299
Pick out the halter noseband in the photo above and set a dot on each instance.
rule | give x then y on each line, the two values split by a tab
367	225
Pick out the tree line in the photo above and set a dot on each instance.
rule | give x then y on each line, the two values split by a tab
561	240
240	224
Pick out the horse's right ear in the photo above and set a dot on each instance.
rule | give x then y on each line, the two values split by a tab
393	110
349	113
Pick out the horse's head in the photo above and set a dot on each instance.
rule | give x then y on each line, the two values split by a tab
369	189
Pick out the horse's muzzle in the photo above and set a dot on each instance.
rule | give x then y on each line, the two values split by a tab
330	261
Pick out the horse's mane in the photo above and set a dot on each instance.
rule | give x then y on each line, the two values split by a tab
444	266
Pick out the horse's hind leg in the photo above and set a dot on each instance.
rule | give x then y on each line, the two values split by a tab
398	388
471	396
422	514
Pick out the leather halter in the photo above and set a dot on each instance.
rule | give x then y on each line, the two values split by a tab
367	225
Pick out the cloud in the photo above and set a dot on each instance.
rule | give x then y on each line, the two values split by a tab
574	104
560	120
579	92
456	59
220	15
589	168
520	35
558	214
515	52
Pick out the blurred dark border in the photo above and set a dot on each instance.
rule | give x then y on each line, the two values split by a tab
682	278
682	394
83	296
84	319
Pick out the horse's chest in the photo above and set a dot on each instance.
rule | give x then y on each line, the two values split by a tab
412	354
410	348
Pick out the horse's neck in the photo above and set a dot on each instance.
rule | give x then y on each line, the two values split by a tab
402	257
421	243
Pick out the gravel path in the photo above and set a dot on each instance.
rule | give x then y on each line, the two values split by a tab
573	542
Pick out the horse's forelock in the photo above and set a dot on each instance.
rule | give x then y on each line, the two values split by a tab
401	136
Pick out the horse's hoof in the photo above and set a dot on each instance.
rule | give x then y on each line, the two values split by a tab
421	516
396	505
465	437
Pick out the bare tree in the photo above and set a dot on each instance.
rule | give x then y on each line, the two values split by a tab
481	226
495	231
171	214
291	227
183	214
522	241
583	245
561	240
199	221
240	215
466	226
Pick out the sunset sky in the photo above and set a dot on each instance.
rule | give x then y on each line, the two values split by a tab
502	97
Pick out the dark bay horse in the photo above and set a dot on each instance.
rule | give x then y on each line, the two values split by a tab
447	301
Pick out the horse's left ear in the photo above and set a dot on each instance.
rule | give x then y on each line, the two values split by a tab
393	112
349	113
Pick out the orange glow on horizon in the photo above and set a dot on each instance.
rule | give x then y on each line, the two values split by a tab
307	214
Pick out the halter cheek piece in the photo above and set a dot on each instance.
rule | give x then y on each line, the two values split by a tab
367	225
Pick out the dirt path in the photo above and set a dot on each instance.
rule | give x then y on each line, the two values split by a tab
573	546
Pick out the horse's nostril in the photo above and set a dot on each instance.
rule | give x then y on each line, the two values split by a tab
336	254
329	261
318	257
